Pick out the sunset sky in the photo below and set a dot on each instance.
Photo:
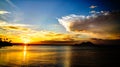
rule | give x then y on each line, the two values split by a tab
34	21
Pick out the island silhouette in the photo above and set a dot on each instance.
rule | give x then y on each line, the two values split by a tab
85	44
5	42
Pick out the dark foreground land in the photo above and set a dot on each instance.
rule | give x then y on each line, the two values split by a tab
5	43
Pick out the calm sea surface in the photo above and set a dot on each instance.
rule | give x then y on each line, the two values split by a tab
59	56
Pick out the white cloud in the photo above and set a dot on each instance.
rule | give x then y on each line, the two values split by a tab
4	12
93	6
92	11
68	21
11	3
103	22
3	23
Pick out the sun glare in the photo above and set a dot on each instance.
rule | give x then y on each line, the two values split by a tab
25	48
24	53
25	40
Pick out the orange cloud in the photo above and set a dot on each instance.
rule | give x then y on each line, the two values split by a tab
19	33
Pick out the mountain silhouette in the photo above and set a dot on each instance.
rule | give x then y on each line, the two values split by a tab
86	44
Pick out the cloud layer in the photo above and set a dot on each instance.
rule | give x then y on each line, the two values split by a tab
97	23
92	6
4	12
18	32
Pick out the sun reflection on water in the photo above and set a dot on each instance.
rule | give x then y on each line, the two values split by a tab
35	56
24	53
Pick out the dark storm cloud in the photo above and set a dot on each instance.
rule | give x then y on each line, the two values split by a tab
102	22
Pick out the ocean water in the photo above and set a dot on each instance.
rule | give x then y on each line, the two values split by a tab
59	56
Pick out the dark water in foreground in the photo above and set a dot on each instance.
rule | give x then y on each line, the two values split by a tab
58	56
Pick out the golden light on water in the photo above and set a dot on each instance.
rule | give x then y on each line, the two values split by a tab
24	53
43	55
25	47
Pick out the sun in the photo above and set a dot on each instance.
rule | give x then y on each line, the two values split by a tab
25	40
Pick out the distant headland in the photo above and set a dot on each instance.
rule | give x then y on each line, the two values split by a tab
5	42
